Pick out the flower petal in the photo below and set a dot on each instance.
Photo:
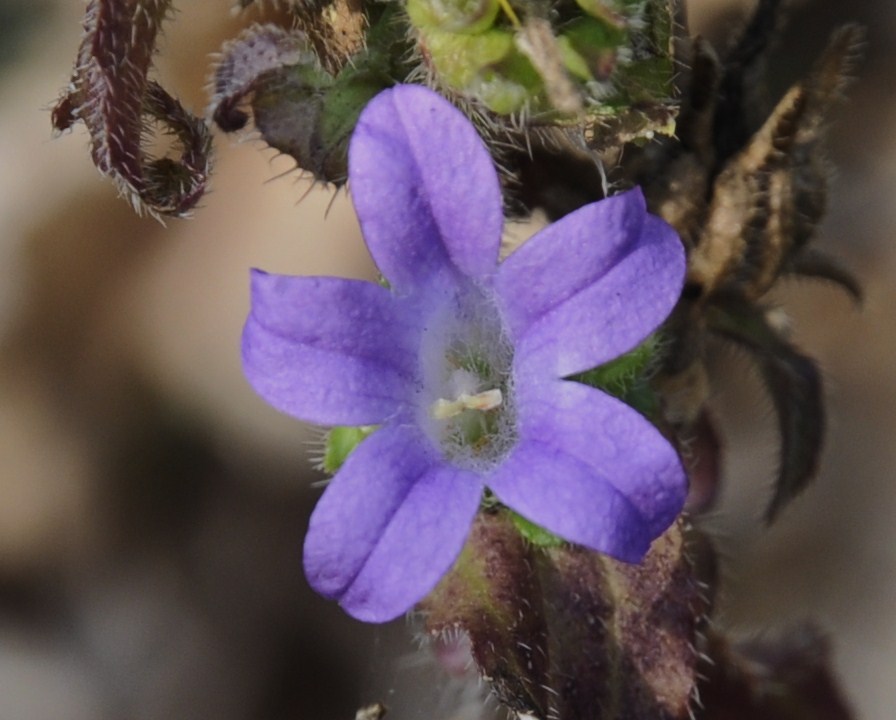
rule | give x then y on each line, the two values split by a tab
424	187
592	470
329	350
591	286
389	525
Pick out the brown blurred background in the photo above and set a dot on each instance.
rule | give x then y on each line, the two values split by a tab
153	508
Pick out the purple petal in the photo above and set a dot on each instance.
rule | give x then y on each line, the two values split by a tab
591	286
328	350
424	187
389	525
592	470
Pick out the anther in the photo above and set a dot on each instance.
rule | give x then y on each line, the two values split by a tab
488	400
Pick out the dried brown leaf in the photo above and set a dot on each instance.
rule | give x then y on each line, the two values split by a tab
768	200
794	384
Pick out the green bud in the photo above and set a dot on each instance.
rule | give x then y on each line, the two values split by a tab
456	16
510	85
604	66
302	106
486	66
592	44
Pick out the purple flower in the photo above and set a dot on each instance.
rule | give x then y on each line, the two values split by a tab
461	362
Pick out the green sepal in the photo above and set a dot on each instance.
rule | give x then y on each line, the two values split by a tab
533	533
339	444
627	377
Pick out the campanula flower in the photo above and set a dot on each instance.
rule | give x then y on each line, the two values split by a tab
461	363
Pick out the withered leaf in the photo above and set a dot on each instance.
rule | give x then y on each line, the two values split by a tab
768	200
112	95
566	633
696	119
814	263
742	102
794	383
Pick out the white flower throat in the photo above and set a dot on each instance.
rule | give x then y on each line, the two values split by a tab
468	395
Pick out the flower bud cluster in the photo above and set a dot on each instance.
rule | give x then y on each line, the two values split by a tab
585	61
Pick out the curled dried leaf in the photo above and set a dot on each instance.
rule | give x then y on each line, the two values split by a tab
742	98
702	457
111	94
746	195
794	384
769	198
813	263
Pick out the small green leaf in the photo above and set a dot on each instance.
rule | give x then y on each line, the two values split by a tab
597	43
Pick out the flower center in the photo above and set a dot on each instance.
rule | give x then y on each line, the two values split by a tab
468	395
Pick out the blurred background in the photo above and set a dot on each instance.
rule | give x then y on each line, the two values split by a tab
153	508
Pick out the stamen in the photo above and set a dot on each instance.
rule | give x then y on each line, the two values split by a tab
443	409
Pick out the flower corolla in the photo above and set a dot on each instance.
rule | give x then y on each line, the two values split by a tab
461	363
